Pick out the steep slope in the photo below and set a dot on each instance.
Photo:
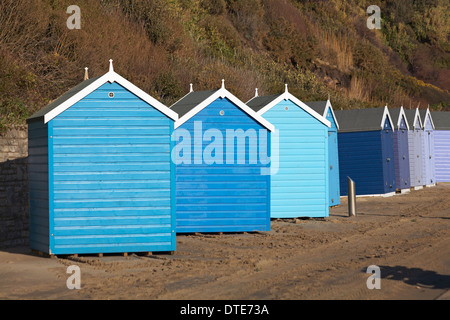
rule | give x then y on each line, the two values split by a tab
319	48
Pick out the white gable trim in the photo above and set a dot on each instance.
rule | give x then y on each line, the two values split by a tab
401	115
428	114
417	117
287	96
328	106
224	93
388	115
111	77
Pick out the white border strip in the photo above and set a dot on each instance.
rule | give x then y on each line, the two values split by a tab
111	77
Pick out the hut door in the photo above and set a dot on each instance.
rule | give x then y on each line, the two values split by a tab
334	195
387	141
418	157
429	157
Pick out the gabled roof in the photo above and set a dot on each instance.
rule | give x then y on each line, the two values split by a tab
264	103
195	101
413	117
441	119
424	114
397	114
322	107
369	119
88	86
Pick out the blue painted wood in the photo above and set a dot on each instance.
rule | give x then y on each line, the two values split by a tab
388	157
110	178
401	156
442	155
367	157
360	159
300	188
221	196
415	156
428	163
333	162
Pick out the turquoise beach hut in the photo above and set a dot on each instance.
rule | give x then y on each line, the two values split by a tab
300	181
326	110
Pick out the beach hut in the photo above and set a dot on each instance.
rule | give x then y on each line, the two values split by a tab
428	166
299	188
415	148
326	110
401	151
441	120
366	152
222	157
100	173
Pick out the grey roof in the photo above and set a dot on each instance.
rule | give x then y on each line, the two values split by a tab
317	106
359	119
66	96
395	113
410	113
441	120
258	103
190	101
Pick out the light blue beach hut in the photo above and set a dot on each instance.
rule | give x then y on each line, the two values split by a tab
415	148
441	120
326	110
401	151
300	185
428	166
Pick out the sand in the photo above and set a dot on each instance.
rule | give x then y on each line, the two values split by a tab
407	236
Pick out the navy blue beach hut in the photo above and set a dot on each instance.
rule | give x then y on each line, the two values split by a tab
300	185
415	148
222	158
401	151
100	172
326	110
366	153
441	121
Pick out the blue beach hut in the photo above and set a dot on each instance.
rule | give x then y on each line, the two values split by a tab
326	110
401	151
366	152
300	185
222	158
100	173
441	120
428	164
415	148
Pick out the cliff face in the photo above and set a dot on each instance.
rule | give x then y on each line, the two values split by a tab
317	47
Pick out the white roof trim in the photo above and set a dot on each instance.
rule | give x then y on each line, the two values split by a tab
400	115
224	93
428	113
287	96
111	77
417	116
387	114
328	106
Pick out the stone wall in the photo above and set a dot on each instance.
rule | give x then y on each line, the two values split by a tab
14	199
